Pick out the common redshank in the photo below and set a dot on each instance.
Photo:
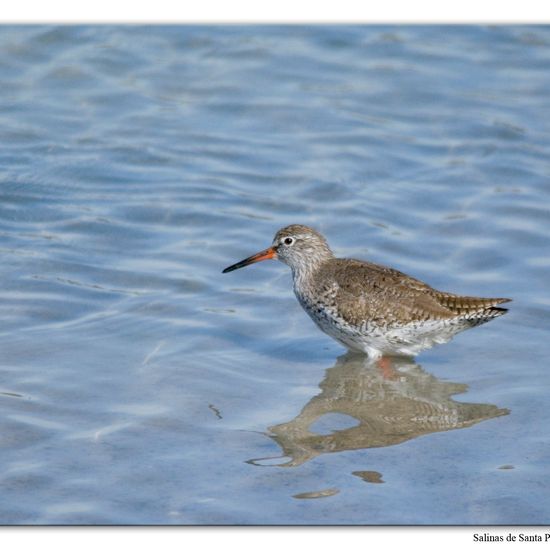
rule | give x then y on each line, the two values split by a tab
368	307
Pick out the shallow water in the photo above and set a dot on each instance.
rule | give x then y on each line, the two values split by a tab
140	385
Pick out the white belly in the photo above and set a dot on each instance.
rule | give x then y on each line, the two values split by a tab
377	340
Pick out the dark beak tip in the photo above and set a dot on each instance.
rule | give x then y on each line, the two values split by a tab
266	254
231	268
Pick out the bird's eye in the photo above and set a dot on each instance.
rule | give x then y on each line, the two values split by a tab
288	241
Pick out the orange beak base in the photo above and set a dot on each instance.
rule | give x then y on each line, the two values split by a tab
267	254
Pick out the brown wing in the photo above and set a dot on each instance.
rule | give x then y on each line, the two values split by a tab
370	291
467	304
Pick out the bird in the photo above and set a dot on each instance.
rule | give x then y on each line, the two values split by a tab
370	308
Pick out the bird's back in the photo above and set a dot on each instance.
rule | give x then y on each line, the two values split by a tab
364	291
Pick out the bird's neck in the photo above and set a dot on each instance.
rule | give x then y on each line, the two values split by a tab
303	272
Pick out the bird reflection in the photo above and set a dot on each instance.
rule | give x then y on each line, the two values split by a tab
389	401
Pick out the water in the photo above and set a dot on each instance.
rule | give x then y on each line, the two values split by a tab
140	385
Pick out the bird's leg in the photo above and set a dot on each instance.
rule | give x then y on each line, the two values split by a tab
385	365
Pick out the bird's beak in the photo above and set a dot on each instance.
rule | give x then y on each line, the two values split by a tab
267	254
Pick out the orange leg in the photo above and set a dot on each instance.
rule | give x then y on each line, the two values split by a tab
388	372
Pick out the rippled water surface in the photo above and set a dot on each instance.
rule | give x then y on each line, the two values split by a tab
140	385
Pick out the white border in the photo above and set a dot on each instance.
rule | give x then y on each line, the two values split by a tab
252	538
280	11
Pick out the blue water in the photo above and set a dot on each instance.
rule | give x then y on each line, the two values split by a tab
139	385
